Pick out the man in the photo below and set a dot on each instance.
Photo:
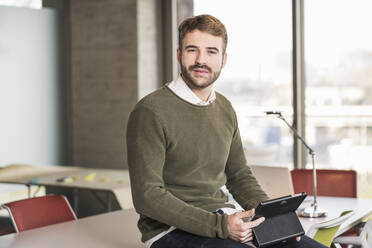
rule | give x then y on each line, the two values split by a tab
184	145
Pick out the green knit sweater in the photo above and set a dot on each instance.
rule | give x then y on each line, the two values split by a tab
179	156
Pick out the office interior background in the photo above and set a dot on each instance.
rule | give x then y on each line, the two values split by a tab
72	70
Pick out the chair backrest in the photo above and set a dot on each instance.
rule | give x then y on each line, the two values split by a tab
39	211
324	232
275	181
341	183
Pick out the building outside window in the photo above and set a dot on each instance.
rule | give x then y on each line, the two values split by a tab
338	63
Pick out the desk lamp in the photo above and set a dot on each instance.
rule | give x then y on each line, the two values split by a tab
313	211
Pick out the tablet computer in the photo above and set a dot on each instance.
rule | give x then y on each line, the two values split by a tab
280	205
281	221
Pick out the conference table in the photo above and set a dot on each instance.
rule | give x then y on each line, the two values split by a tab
335	206
119	228
111	181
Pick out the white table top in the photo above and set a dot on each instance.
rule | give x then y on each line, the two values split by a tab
119	228
109	230
100	179
115	181
335	206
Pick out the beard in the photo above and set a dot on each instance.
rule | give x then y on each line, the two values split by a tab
192	81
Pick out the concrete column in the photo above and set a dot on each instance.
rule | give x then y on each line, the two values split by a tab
149	45
115	60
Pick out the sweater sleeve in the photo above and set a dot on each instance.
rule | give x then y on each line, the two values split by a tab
146	145
241	183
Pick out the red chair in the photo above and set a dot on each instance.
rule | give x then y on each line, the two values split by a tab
341	183
39	211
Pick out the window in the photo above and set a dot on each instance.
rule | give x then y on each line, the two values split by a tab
338	62
34	4
338	80
257	76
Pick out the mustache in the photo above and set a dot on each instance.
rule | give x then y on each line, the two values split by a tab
192	67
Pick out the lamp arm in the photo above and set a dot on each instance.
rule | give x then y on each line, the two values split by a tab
314	211
311	151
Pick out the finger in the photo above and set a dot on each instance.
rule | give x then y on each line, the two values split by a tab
255	223
249	237
246	214
245	234
239	235
234	237
298	239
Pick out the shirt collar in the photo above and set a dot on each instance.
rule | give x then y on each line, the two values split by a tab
180	88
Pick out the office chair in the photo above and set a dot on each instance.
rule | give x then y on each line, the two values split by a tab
325	232
39	211
275	181
364	239
341	183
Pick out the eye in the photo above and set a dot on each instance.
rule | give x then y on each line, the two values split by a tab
191	50
213	52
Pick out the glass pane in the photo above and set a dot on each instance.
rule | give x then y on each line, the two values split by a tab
257	76
338	52
34	4
32	108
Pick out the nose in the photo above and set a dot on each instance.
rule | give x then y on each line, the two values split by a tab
201	58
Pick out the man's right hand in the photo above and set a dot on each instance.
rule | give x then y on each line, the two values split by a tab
239	230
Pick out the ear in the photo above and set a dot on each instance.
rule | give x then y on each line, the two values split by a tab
224	59
179	55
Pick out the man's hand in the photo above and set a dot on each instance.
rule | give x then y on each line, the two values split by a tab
238	229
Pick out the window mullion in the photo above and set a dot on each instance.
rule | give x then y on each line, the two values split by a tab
298	64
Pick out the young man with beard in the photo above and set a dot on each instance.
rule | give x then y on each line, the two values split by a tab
184	145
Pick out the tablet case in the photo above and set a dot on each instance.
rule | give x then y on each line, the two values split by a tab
281	221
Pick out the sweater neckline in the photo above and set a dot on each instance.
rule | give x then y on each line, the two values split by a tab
189	103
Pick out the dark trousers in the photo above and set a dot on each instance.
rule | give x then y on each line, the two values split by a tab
181	239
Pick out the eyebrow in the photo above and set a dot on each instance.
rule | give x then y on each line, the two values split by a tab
209	48
190	46
213	48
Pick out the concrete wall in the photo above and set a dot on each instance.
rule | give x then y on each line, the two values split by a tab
114	61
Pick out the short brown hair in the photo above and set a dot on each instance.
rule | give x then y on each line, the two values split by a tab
205	23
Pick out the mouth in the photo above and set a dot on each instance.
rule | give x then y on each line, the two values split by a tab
200	71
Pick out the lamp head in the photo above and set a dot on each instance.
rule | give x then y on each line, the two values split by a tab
274	113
